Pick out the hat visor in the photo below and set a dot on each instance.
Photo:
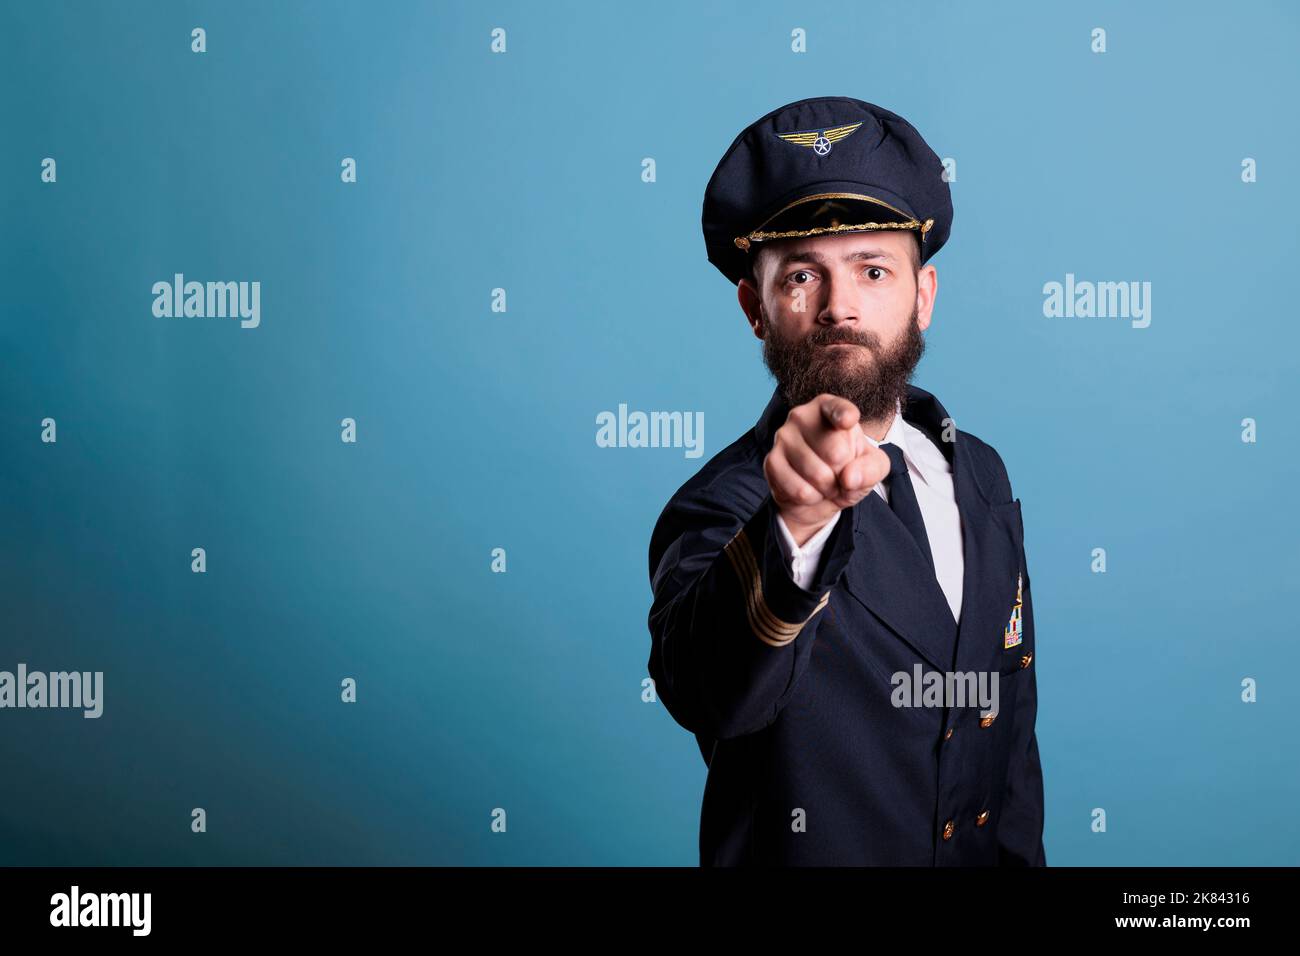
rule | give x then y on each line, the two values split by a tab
829	208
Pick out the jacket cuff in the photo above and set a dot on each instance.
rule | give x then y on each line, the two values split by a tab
777	607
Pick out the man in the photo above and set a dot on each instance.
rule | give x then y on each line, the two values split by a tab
854	547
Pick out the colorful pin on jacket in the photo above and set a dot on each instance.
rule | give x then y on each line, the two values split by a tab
1011	633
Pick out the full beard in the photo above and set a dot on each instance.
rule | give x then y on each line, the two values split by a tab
805	369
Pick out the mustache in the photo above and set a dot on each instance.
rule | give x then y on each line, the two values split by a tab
835	335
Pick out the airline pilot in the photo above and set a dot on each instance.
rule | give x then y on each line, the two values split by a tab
841	606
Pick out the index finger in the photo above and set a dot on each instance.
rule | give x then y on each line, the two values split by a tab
839	412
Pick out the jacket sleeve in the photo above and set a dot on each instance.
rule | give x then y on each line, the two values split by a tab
730	630
1020	831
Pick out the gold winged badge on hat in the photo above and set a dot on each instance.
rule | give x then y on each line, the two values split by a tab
821	140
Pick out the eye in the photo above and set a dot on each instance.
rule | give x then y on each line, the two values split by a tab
871	269
799	272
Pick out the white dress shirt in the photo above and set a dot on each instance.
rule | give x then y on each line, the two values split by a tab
932	480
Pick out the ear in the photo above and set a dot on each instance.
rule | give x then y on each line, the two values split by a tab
927	287
751	303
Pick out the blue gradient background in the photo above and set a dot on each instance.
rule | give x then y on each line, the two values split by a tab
477	429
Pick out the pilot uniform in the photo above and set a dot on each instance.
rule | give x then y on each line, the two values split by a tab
785	661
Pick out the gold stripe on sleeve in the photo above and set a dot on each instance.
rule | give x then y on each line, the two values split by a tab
769	628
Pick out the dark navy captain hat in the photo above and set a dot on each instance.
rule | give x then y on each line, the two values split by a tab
821	166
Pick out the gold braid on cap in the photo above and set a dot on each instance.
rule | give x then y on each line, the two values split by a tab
757	235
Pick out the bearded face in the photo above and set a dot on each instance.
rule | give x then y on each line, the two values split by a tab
850	362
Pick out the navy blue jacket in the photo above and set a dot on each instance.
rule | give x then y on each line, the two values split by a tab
790	692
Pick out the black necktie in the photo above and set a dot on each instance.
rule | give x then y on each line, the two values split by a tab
902	498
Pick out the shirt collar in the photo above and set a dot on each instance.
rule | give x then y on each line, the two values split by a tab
897	435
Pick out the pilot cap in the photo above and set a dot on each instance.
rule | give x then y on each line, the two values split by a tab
823	166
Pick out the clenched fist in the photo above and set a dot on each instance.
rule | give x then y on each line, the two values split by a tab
820	463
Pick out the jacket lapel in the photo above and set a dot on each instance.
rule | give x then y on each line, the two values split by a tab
891	578
990	546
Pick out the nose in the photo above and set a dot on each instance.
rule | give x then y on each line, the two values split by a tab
841	303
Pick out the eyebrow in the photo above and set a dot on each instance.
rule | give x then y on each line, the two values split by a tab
808	255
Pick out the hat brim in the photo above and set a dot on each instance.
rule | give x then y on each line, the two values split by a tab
832	208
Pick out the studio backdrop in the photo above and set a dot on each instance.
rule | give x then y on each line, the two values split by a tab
343	548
